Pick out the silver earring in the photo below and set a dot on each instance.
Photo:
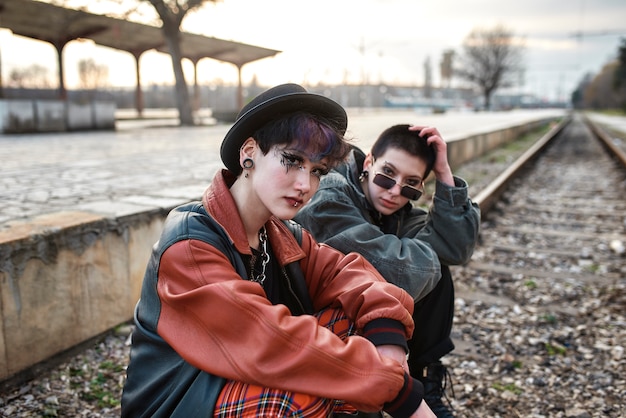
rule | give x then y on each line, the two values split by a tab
363	176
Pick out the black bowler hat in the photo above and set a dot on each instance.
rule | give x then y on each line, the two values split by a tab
274	103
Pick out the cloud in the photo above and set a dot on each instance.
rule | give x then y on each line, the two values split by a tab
347	41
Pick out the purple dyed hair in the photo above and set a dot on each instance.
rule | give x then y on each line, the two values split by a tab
315	137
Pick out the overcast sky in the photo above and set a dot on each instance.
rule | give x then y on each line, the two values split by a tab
337	41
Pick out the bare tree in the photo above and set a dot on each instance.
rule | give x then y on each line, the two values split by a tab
491	59
92	75
35	76
172	13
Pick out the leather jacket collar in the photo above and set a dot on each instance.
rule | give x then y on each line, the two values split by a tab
219	203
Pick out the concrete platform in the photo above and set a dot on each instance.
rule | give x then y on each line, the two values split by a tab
120	172
79	213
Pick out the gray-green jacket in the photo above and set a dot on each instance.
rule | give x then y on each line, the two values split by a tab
407	247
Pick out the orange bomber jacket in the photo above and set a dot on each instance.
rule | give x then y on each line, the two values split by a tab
200	321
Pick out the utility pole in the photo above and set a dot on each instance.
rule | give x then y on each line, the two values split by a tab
446	68
428	79
364	78
1	85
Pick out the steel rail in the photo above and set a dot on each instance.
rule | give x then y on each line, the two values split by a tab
488	197
607	141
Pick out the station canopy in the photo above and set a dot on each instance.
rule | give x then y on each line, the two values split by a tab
58	26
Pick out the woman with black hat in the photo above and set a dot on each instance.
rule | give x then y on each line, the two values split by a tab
243	314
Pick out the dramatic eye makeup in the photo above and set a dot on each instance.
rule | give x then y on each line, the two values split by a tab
291	160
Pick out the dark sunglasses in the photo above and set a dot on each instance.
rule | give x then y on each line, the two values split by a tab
386	182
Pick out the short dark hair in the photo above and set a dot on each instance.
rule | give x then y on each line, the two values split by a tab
312	135
400	137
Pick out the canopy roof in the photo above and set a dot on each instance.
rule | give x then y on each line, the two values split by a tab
58	25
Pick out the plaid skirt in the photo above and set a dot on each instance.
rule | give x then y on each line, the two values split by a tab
239	399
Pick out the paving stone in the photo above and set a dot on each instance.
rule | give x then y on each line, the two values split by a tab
57	171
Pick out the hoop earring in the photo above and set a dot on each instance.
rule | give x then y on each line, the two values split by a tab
363	176
248	163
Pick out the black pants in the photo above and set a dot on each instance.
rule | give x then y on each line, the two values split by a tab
433	316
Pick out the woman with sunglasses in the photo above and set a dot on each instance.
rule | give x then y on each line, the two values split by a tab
365	206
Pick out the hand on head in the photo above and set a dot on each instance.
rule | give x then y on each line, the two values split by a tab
442	169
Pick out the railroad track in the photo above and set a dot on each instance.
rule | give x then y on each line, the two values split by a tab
540	323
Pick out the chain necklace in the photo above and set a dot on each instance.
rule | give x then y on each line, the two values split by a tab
265	258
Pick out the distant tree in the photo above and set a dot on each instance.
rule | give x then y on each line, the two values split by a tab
578	96
601	92
491	59
92	75
620	73
35	77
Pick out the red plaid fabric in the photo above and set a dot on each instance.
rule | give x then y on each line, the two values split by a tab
241	400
